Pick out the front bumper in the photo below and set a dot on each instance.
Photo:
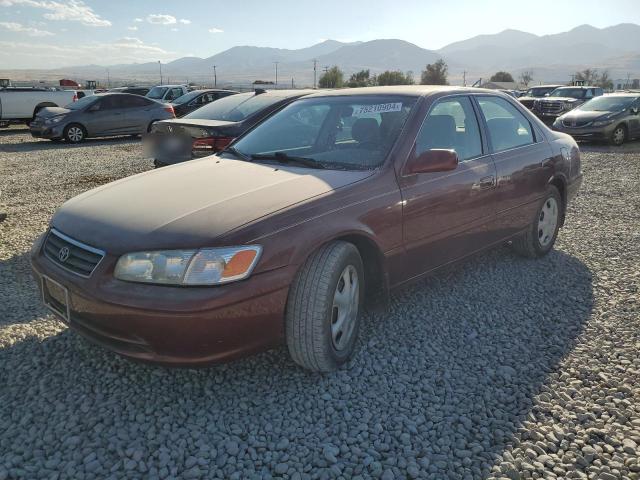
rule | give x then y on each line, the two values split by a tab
586	133
179	326
41	130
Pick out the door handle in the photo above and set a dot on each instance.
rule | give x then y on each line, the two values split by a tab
487	182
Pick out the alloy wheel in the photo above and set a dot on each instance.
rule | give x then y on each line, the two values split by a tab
75	134
618	136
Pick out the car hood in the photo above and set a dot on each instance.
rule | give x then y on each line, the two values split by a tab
190	205
559	99
48	112
587	115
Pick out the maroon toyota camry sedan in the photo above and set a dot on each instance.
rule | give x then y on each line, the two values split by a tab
303	222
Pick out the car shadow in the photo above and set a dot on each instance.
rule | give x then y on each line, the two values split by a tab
5	132
33	145
603	147
453	366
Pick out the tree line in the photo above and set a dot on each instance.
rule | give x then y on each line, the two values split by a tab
434	74
437	74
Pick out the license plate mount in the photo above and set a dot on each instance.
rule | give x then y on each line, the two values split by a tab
56	298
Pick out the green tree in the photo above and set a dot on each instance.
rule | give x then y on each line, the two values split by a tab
360	79
332	78
395	77
435	74
501	77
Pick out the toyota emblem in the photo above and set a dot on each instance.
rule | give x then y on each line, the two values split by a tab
63	254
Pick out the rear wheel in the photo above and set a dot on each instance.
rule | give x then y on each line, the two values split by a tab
324	308
74	133
539	239
619	135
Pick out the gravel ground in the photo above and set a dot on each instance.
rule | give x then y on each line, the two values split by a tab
499	368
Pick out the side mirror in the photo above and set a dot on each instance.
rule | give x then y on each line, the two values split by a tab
635	111
435	160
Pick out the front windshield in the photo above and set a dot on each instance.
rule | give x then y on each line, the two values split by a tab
538	92
157	92
353	132
234	108
568	92
607	104
186	98
83	102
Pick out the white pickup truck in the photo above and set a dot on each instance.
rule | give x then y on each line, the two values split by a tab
20	104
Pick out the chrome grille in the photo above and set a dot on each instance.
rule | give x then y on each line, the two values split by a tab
71	254
551	106
575	123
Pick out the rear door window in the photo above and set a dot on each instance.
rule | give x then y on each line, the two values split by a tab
507	127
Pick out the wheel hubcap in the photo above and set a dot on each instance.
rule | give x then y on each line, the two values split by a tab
547	221
344	313
618	135
75	134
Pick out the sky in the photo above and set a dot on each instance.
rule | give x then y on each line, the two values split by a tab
58	33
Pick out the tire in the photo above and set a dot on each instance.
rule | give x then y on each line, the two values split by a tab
539	239
321	334
619	135
74	133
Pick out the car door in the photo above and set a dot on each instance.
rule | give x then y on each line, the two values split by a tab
104	117
447	215
523	161
136	113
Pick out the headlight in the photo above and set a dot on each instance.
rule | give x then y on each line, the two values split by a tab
602	123
54	119
207	266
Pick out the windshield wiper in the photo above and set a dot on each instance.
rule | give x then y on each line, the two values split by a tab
284	158
237	153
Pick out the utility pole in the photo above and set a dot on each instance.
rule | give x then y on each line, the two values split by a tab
292	84
276	64
160	65
315	72
464	78
108	79
215	77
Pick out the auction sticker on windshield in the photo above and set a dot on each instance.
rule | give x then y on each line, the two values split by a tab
377	108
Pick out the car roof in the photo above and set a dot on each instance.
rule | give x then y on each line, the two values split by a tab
407	90
204	90
281	93
170	86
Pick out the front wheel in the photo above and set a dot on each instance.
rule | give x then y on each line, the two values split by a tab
74	133
324	308
539	239
619	135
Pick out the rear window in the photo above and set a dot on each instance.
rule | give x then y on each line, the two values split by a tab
235	108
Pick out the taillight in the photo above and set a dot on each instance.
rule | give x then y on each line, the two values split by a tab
169	108
209	145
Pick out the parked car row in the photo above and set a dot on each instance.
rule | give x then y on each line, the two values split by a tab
316	209
213	127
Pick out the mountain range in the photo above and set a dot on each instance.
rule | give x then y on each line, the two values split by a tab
552	58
